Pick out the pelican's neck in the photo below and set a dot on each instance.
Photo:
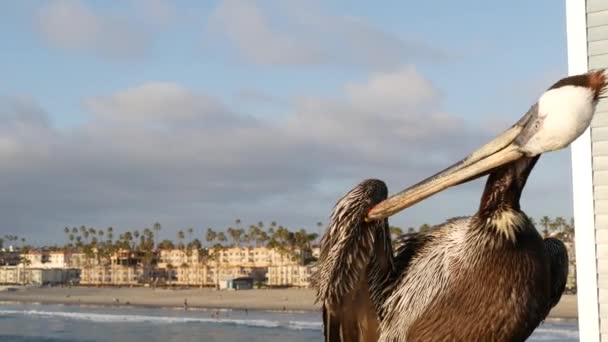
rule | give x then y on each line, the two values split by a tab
499	208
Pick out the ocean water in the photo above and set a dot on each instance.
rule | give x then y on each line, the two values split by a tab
63	323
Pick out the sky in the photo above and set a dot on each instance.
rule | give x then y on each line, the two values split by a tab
196	113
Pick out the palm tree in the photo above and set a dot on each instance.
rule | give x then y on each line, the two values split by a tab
221	237
166	244
241	236
411	230
553	227
560	222
237	222
395	232
234	235
136	234
128	237
545	221
254	234
211	235
424	227
319	226
190	230
263	238
180	236
66	230
110	235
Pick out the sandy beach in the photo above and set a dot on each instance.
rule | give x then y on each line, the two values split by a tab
263	299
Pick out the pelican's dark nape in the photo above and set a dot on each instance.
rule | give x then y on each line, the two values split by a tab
488	277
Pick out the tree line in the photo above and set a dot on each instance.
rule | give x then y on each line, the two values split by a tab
274	235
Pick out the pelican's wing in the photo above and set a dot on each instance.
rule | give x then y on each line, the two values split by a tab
407	246
558	266
342	279
353	320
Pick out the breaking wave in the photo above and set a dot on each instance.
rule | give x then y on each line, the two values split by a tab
546	332
112	318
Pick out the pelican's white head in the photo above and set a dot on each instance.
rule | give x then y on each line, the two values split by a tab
564	112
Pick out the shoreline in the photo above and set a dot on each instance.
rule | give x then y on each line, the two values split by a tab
288	300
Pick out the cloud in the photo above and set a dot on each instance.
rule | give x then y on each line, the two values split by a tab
159	13
161	151
161	103
72	25
304	33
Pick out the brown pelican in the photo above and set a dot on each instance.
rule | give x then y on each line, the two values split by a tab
488	277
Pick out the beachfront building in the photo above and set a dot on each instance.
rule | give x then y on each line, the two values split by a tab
113	275
9	257
47	259
58	259
256	256
290	275
587	32
10	275
178	256
13	275
192	268
243	283
80	260
34	258
571	280
316	252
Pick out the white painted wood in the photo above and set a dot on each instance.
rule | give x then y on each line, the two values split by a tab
599	119
596	19
592	5
582	180
601	193
601	207
600	178
599	61
600	148
601	236
599	47
601	222
602	106
599	134
598	33
602	252
599	163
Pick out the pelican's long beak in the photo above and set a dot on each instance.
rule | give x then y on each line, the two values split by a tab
500	151
567	106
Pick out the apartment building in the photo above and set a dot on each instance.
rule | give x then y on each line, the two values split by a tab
47	259
256	256
114	275
178	257
9	258
290	275
12	275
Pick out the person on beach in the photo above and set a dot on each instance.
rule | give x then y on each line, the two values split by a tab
185	304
